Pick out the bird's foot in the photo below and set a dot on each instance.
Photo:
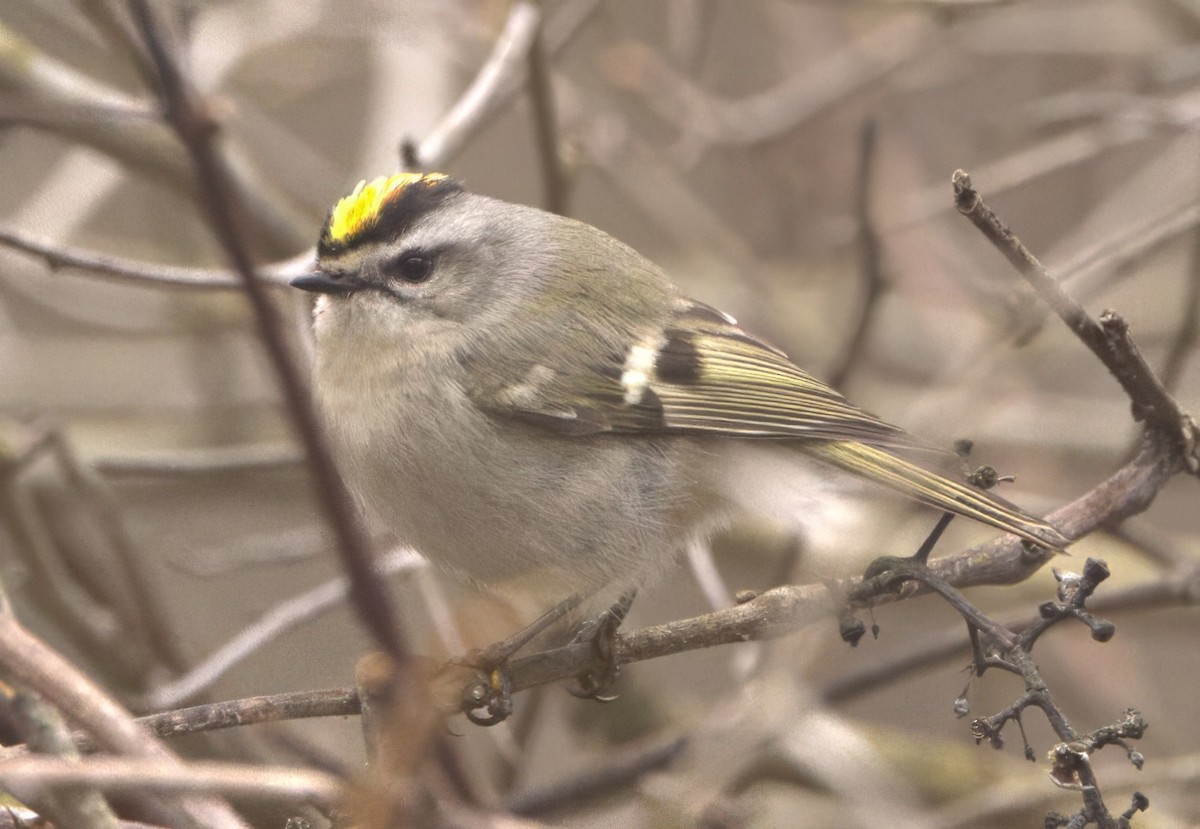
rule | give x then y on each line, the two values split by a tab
599	683
487	698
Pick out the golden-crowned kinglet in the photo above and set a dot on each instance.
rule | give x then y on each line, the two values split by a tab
517	392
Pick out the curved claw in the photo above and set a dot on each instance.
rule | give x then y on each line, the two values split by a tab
600	683
490	693
600	688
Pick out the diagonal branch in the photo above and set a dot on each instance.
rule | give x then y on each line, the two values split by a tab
196	128
30	661
501	78
1108	338
45	94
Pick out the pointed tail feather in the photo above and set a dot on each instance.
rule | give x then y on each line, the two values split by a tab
937	491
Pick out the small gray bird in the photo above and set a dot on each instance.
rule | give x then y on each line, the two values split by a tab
516	393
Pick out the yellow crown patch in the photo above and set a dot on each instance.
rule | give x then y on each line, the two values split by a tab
359	210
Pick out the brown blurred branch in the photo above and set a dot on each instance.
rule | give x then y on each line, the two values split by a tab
274	621
871	248
1088	270
208	461
117	29
142	775
43	729
196	128
44	94
125	584
623	768
28	470
1184	344
31	662
1095	268
13	818
708	120
1051	155
545	126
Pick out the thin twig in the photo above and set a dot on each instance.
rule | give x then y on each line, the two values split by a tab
869	244
208	461
1178	589
215	716
500	72
117	269
545	127
620	769
1184	343
294	705
278	619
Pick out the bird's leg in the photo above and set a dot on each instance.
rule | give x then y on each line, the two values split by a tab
889	572
921	556
898	565
487	700
599	683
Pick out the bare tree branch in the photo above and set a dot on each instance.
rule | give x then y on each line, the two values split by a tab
1107	338
142	775
196	129
545	126
117	269
30	661
45	732
502	70
500	79
869	243
276	620
47	95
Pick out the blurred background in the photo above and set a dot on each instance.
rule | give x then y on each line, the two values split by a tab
787	161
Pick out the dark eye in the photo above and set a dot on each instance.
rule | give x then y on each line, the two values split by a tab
413	267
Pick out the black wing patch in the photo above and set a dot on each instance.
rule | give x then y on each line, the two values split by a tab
701	374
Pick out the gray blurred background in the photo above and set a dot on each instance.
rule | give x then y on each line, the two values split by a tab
778	158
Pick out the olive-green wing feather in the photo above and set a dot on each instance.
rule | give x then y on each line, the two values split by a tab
711	376
698	373
938	491
702	374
